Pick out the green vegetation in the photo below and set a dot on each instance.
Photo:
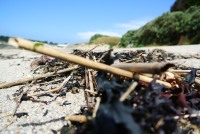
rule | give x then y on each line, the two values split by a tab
182	5
4	38
45	42
103	39
38	44
95	37
167	29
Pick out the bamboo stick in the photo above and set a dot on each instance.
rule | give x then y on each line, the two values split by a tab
37	77
41	48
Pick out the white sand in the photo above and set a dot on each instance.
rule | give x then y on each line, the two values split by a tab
17	68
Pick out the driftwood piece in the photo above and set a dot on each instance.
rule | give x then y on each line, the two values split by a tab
152	68
41	48
37	77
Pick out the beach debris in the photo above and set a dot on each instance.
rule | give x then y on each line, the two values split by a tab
57	89
41	48
40	61
151	68
147	94
25	80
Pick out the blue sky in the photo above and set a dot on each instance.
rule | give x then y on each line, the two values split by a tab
75	21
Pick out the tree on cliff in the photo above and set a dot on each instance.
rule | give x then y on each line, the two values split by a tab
181	5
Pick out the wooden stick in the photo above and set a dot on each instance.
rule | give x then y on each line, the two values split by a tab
105	54
148	75
90	81
128	91
77	118
53	90
98	100
179	71
5	85
91	92
197	81
152	68
41	48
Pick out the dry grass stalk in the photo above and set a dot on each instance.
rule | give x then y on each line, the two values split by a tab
5	85
128	91
41	48
4	116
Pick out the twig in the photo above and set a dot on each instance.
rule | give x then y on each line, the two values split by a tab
179	71
50	82
92	49
105	54
10	123
148	75
53	90
91	92
77	118
41	48
18	102
197	81
94	58
86	87
90	81
187	116
98	100
128	91
6	116
5	85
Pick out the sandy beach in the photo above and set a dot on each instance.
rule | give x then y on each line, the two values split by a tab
42	118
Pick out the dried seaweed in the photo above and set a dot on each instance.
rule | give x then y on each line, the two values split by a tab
149	108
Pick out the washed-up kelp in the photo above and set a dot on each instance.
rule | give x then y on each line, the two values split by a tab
150	108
